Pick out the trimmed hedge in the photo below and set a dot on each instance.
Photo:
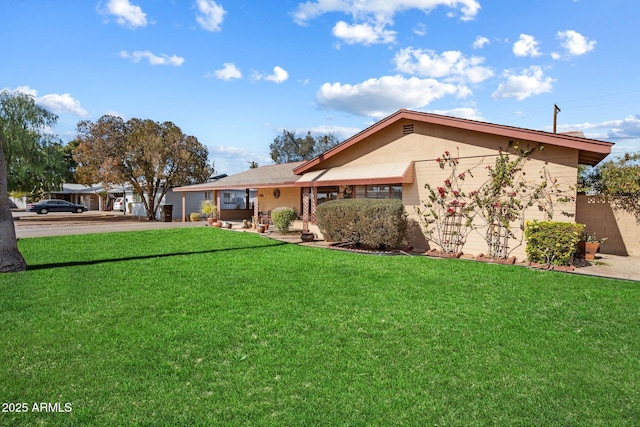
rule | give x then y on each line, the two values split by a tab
553	243
283	217
375	223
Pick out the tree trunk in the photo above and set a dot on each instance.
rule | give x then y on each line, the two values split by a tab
11	259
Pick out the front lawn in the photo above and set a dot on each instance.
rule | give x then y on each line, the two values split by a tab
202	326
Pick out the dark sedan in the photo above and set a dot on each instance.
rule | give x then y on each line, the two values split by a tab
46	206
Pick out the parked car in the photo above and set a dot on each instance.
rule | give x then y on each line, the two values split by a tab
118	204
46	206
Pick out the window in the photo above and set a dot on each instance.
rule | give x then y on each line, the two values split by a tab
234	199
379	192
327	193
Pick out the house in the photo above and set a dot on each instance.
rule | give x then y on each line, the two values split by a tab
396	156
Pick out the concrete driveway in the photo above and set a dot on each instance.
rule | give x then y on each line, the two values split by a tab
31	224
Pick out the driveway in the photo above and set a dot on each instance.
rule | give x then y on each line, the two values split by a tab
30	224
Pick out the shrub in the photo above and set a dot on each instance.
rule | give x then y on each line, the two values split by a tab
553	243
363	222
194	216
283	217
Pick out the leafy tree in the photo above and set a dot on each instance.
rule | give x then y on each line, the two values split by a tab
29	161
618	180
151	156
70	165
290	148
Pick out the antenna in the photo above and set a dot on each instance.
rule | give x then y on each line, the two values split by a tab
556	110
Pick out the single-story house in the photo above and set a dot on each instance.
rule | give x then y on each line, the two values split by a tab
396	157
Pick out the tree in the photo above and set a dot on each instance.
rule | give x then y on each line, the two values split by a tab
151	156
28	162
618	180
289	148
70	165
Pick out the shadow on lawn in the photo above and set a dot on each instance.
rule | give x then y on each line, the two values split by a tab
133	258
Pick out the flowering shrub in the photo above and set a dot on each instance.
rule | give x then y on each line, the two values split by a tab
494	209
448	212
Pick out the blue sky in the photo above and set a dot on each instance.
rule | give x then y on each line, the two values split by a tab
234	73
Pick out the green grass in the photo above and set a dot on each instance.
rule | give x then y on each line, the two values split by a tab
203	326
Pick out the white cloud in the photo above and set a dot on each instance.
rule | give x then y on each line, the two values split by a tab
279	75
153	59
228	72
463	113
372	17
126	14
379	9
366	34
453	66
480	42
622	129
56	103
575	43
420	29
210	16
526	46
521	86
62	104
379	97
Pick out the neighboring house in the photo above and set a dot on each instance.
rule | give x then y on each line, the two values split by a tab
246	194
396	156
88	195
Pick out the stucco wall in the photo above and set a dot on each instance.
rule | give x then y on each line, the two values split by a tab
622	229
476	152
289	197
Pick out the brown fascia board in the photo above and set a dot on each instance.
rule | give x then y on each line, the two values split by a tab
591	151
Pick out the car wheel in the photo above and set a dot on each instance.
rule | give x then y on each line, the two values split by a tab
43	211
79	210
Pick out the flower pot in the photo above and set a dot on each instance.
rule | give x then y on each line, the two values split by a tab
589	249
260	228
307	236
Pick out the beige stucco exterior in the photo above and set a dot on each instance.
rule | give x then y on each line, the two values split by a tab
289	197
422	143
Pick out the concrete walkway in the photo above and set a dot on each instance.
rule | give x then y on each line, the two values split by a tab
29	224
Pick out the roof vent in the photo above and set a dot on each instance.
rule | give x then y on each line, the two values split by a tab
407	129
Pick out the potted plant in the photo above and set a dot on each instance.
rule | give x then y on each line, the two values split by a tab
590	244
210	210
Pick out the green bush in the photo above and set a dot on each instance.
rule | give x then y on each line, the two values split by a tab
363	222
283	217
553	243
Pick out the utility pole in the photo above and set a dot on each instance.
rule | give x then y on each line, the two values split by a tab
556	110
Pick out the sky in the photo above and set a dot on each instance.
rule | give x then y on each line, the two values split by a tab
235	73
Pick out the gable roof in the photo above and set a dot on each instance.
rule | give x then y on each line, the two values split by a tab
264	176
590	151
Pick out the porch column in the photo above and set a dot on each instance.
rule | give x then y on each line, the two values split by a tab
305	209
314	204
216	199
184	207
256	207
